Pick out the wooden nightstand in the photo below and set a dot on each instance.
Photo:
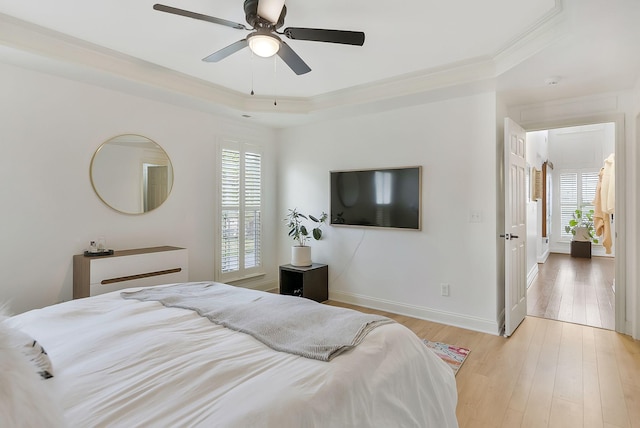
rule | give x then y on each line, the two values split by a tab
311	282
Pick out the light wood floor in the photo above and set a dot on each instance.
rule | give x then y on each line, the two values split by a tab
548	374
575	290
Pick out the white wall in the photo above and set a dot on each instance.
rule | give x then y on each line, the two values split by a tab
455	142
537	246
501	114
633	251
50	128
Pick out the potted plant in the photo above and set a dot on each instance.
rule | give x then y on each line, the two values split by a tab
301	253
583	231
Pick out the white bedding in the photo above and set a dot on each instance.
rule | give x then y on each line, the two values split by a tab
129	363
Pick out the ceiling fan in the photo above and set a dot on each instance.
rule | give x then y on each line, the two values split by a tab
265	17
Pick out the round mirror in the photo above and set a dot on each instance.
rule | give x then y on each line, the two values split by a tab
131	174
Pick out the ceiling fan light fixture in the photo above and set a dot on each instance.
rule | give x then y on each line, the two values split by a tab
264	45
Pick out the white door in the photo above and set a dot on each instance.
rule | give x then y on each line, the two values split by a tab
156	190
515	226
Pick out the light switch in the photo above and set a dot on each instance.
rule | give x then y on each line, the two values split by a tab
475	216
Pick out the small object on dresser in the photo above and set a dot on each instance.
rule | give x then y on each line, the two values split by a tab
97	253
98	249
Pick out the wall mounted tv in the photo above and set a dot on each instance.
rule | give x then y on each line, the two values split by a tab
387	197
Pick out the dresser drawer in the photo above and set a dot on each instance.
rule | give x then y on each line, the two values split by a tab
129	268
117	267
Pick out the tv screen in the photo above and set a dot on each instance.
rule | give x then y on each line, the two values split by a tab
389	197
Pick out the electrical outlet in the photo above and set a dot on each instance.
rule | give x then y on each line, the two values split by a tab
444	290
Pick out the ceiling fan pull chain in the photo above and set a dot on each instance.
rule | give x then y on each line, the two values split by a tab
252	73
275	81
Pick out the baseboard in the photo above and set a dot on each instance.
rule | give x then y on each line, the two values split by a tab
262	285
543	258
268	287
428	314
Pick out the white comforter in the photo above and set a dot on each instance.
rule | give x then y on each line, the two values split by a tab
126	363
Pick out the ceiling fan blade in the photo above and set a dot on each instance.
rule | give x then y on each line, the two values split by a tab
225	52
292	59
199	16
331	36
270	9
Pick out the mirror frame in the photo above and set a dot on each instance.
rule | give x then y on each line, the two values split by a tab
140	160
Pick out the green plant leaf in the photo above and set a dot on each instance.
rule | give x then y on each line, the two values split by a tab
317	234
314	219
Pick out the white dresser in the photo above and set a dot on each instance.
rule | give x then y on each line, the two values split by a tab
128	268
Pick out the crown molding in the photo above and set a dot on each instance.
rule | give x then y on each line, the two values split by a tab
105	67
549	29
56	46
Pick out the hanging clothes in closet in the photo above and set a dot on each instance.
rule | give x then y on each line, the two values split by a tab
608	190
604	202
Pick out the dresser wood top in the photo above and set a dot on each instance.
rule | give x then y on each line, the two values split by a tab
133	252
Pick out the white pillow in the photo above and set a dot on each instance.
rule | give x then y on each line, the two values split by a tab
33	352
26	399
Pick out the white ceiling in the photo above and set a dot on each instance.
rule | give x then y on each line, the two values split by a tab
414	50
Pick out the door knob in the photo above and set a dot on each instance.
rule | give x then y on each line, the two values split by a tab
508	236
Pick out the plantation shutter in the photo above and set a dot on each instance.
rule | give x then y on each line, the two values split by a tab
577	190
230	203
568	201
252	206
240	241
588	193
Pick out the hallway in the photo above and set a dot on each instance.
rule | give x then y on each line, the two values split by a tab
574	290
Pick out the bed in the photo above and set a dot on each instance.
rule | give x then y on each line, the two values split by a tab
132	363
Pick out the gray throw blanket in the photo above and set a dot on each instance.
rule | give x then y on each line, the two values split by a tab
285	323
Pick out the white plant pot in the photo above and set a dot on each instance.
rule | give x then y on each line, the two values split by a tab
300	256
582	234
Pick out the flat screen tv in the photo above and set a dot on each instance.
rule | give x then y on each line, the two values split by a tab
386	197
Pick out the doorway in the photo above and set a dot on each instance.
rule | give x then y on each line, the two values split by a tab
561	286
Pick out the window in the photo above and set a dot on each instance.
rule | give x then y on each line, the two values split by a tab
240	212
577	190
